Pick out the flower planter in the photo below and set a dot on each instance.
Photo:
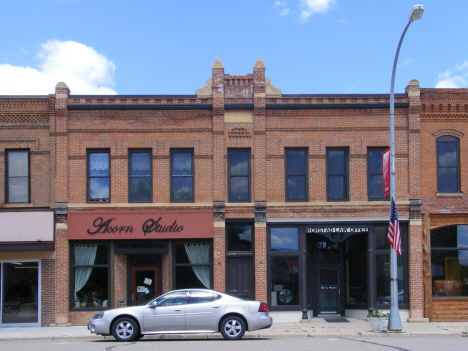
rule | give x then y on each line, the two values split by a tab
377	324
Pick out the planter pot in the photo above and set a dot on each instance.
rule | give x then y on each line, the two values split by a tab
377	324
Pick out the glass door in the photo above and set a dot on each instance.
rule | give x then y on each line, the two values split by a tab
144	284
329	291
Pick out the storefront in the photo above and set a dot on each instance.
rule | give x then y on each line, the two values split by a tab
27	261
339	268
123	258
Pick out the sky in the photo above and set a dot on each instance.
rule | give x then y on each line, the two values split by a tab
159	47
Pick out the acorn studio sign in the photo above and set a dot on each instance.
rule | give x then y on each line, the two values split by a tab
140	225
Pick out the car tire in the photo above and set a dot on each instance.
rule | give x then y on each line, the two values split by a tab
125	329
232	328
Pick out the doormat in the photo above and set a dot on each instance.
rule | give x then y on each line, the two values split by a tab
335	319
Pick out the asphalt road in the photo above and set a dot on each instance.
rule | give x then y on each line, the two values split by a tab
387	343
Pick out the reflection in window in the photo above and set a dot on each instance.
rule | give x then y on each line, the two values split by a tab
375	174
193	265
239	237
337	175
284	239
448	165
296	174
91	272
449	261
17	176
182	176
239	175
382	265
98	176
20	292
140	188
356	269
284	280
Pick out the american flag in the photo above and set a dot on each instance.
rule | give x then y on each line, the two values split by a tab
393	235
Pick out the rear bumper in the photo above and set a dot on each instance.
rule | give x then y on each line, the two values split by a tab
260	321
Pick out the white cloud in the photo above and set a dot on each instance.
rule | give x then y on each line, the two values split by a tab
455	78
310	7
82	68
281	8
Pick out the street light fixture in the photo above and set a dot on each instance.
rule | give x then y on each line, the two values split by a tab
394	322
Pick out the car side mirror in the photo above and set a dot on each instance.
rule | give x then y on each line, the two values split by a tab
153	304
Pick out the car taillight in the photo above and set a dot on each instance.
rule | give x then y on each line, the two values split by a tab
263	307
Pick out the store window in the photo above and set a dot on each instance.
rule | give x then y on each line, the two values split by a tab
139	179
356	271
448	165
239	175
449	261
337	174
284	267
375	174
89	278
98	176
193	265
20	293
296	174
17	176
182	176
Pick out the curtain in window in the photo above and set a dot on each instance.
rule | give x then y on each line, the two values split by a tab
200	254
84	256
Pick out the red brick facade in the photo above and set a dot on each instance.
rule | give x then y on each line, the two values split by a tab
239	112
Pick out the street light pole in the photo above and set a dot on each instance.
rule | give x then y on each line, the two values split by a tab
394	322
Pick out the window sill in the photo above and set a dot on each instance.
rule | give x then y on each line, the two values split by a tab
18	205
449	195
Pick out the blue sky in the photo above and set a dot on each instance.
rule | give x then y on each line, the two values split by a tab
168	47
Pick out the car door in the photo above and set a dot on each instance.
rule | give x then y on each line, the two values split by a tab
204	310
168	314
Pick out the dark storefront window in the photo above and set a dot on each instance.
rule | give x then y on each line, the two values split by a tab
239	175
193	265
139	180
337	175
182	176
284	266
99	176
449	261
356	268
296	174
17	176
20	295
239	237
448	165
90	275
375	174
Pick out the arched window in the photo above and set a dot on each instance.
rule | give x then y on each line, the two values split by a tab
448	164
449	261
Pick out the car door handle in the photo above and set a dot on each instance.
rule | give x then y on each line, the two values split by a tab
178	309
216	306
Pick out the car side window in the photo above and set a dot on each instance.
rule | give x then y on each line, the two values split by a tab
201	297
176	298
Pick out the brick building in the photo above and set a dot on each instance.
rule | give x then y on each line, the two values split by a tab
239	188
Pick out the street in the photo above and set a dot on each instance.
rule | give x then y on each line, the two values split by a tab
376	343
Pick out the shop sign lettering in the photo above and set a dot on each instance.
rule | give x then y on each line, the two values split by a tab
101	226
327	230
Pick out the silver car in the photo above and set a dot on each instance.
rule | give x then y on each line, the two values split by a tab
183	312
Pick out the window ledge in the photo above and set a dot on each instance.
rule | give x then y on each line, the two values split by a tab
449	195
18	205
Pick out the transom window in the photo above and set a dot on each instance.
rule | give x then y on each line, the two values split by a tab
17	176
296	174
448	165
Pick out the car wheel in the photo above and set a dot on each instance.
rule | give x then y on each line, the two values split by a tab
125	329
233	328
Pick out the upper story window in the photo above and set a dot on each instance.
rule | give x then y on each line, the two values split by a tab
139	179
448	164
375	173
239	175
337	174
296	174
182	176
17	176
98	175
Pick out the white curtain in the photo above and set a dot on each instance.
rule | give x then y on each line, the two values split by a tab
200	254
84	256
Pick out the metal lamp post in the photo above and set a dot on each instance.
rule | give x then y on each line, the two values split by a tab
394	322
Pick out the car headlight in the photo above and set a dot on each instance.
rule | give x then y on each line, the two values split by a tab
98	315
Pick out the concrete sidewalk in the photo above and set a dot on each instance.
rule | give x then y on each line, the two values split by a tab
316	327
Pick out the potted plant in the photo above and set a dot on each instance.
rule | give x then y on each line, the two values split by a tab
377	320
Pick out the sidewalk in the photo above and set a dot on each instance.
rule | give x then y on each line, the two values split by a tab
317	327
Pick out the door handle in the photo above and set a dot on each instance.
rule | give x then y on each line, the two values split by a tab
216	306
339	291
177	309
